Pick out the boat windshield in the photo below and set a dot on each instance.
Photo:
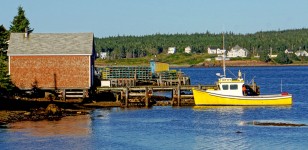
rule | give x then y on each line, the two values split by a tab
225	87
233	87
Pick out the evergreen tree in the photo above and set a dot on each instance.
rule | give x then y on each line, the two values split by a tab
264	56
4	37
293	57
283	58
5	82
20	22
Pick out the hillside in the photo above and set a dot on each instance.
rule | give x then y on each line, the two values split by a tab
121	47
186	60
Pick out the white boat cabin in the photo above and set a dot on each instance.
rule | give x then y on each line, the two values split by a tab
229	86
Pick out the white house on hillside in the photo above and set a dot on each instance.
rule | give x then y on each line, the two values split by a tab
187	49
301	53
103	55
211	50
237	51
272	56
288	51
171	50
215	51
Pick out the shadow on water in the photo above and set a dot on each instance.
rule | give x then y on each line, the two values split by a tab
236	108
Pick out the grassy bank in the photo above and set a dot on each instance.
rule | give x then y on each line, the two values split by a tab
174	59
187	60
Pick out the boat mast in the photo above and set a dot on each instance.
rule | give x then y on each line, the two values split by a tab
224	54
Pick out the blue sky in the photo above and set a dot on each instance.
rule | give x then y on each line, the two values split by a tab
143	17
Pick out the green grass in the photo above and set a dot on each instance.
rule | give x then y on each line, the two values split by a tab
172	59
126	61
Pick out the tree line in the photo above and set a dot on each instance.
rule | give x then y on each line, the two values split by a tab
259	43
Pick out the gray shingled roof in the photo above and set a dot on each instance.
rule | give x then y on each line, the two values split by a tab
51	44
237	47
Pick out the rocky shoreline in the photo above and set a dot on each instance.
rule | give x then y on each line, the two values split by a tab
237	63
12	110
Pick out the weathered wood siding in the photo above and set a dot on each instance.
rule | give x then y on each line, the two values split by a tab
51	72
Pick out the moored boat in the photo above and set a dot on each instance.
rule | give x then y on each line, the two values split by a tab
235	92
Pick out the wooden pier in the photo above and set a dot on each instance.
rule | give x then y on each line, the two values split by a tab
181	95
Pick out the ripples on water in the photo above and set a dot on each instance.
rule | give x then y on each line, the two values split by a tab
178	128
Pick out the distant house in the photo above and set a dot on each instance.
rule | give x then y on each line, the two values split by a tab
288	51
52	61
237	51
211	50
171	50
217	51
103	55
220	51
187	49
272	56
301	53
208	59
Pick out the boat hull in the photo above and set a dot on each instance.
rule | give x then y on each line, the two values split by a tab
202	97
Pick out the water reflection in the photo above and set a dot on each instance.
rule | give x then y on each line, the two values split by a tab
218	127
67	126
224	118
236	108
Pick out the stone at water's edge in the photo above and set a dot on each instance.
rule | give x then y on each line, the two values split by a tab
53	109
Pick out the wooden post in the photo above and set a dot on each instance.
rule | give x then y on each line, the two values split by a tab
126	97
64	95
146	97
83	93
179	94
172	94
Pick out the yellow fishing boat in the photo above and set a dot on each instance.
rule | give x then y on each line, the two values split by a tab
235	92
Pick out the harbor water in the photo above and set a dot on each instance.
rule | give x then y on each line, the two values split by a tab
166	127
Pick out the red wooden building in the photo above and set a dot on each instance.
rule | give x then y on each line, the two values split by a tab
60	61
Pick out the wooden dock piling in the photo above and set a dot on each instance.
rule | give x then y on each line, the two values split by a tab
146	97
143	95
126	97
179	95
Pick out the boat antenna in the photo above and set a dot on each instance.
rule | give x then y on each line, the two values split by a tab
223	40
231	73
224	64
252	80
